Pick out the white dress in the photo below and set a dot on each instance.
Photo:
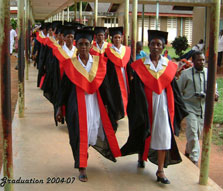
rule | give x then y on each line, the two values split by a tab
94	123
161	130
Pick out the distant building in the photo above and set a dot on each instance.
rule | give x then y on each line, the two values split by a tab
176	22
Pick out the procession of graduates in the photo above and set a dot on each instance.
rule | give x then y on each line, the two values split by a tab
92	84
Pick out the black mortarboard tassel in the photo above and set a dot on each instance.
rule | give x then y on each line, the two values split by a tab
162	35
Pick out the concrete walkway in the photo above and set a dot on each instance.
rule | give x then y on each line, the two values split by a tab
41	151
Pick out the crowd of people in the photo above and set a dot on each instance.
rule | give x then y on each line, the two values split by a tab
92	84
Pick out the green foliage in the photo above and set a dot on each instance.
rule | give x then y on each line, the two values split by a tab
13	23
180	44
171	51
218	111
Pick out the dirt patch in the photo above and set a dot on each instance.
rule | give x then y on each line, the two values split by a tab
216	155
14	96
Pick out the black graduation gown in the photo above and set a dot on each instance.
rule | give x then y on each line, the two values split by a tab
69	95
140	121
116	82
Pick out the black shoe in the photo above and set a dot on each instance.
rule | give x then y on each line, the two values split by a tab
186	154
16	68
162	180
141	164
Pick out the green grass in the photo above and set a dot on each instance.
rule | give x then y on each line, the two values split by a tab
218	109
171	51
217	133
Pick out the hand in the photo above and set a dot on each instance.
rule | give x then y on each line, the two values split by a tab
59	115
216	96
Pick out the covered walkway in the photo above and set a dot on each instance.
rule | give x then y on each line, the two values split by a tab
42	150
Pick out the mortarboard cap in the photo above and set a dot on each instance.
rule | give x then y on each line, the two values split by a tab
115	30
99	30
45	25
68	23
162	35
87	34
55	24
77	25
58	29
90	28
67	30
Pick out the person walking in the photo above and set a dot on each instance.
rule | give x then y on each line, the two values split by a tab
193	86
155	108
89	105
220	48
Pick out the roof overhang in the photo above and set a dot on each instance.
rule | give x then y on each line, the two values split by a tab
43	9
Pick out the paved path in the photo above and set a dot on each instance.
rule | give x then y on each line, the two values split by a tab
41	150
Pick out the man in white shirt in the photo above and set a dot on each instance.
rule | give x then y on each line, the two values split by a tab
220	48
13	36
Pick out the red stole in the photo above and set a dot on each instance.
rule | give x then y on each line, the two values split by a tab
97	52
120	61
156	84
90	83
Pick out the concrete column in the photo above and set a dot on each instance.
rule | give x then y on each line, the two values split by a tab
68	14
75	12
95	12
126	22
21	61
80	12
63	17
5	87
209	104
134	27
143	8
27	38
157	15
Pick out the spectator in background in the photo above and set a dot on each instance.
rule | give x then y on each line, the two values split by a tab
13	36
139	50
193	86
197	47
165	54
220	48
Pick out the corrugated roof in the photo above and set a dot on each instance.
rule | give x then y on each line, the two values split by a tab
162	9
102	7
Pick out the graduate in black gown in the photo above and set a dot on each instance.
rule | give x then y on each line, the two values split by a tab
155	108
99	45
89	105
119	70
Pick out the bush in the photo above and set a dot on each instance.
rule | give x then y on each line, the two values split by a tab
180	44
13	22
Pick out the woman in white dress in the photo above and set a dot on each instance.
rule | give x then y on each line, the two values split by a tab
155	97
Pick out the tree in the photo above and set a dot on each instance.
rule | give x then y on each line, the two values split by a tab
180	44
13	23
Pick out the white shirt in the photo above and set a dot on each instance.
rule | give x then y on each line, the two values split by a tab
13	34
161	132
101	46
119	51
69	52
116	49
94	123
220	44
198	47
44	36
